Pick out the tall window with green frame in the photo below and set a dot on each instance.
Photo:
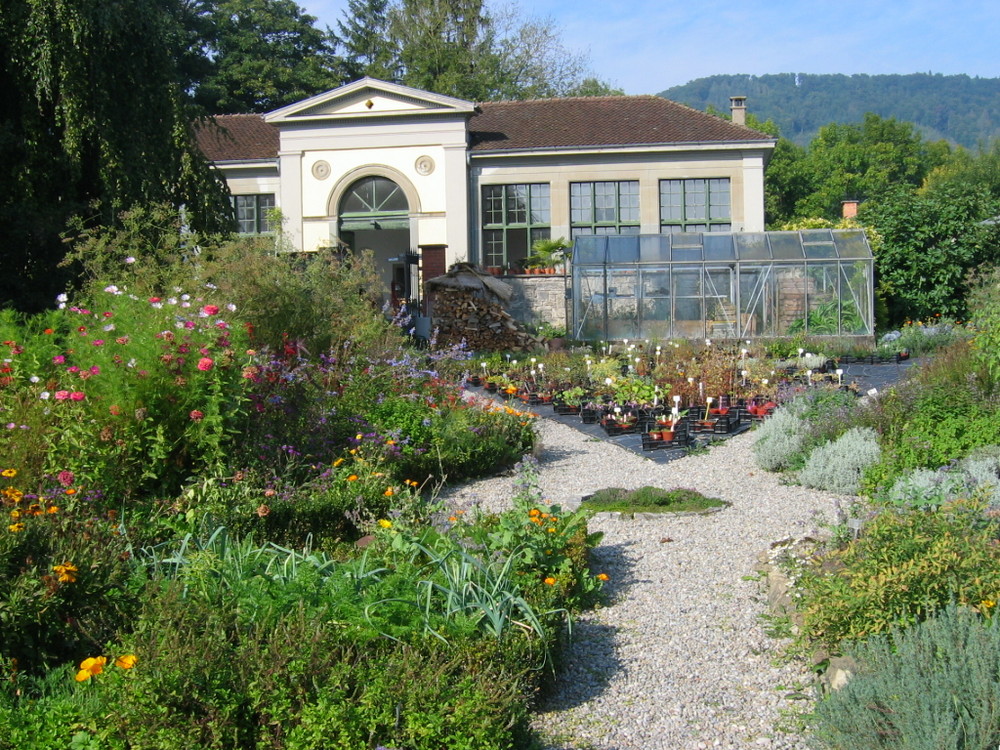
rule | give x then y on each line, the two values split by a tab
514	216
604	207
253	213
695	206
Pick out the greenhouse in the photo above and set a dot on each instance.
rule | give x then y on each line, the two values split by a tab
717	285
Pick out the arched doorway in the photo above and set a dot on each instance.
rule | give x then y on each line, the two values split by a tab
374	214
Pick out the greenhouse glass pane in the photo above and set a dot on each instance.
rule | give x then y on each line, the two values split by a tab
655	282
719	247
654	248
756	289
817	235
623	248
588	304
589	249
820	250
786	245
823	299
687	246
689	305
852	244
789	300
855	307
623	311
752	246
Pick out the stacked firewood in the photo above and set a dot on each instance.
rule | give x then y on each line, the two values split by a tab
485	326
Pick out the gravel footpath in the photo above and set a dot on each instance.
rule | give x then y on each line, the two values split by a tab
678	658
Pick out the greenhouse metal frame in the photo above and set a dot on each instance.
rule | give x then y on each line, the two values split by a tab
720	285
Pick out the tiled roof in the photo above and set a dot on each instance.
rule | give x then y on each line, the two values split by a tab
598	121
509	126
238	138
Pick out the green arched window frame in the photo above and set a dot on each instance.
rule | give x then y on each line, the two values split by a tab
374	203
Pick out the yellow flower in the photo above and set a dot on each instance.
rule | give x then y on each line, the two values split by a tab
126	662
385	524
550	581
453	519
389	492
8	473
552	529
90	668
66	572
602	577
339	461
987	604
359	436
52	509
15	514
16	527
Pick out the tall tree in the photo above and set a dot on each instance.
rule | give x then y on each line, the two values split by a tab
369	50
265	54
861	161
928	244
92	121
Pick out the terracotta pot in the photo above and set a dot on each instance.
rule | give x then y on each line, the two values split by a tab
667	435
495	270
654	435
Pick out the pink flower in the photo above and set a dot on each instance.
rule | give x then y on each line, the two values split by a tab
97	342
66	478
196	416
95	369
205	364
59	359
61	395
77	395
189	324
210	310
74	369
154	300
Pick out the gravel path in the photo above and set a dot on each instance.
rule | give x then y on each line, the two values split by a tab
678	658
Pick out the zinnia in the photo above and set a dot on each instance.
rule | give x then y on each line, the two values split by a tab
61	395
210	310
77	395
196	416
205	364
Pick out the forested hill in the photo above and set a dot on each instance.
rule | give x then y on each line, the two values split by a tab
956	107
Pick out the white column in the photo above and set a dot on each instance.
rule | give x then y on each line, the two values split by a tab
290	195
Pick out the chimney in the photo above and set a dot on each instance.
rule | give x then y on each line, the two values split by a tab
849	208
738	109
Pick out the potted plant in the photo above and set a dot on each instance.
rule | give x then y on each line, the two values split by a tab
546	254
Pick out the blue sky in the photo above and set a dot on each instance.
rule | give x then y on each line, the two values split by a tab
646	46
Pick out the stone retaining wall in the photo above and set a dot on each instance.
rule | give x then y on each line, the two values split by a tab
539	298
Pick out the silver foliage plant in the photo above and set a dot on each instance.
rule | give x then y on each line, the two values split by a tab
779	440
978	475
838	466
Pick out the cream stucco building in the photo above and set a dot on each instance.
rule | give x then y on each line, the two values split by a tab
427	179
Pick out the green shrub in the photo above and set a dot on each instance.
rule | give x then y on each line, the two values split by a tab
933	686
650	499
838	466
905	566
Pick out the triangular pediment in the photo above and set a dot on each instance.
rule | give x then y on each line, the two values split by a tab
369	98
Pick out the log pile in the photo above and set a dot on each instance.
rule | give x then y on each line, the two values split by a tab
484	325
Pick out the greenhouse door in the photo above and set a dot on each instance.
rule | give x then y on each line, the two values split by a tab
720	303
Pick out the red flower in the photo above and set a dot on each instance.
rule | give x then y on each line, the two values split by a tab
210	310
196	416
205	364
78	395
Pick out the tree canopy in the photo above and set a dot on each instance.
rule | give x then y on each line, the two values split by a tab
93	120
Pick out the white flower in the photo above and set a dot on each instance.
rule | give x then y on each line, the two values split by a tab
231	307
171	300
44	395
62	297
109	327
111	289
130	259
34	379
185	297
